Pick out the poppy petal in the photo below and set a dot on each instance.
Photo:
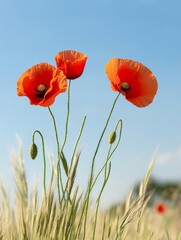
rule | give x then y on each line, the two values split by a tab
141	81
58	85
43	74
71	62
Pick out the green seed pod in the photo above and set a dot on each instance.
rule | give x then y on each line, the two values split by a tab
112	137
125	86
33	151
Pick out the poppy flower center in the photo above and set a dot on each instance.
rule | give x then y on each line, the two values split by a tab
125	86
41	90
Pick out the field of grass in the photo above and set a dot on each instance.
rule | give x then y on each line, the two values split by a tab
34	216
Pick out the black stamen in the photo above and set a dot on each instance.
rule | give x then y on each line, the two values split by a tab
40	95
123	89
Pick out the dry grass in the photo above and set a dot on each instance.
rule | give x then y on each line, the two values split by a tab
33	217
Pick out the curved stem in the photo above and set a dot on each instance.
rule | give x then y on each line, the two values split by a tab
44	159
61	156
64	162
99	142
110	153
106	175
56	131
73	155
59	175
93	162
104	166
76	143
60	150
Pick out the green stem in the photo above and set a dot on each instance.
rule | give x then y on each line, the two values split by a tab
105	127
67	118
76	143
73	155
60	150
110	153
99	142
106	177
93	162
59	178
56	131
44	159
62	157
103	167
64	162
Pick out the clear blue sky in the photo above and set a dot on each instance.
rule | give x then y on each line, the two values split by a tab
144	30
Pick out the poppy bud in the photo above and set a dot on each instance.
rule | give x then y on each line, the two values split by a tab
33	151
112	137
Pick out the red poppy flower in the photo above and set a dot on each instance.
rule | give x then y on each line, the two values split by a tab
41	84
160	208
72	63
135	81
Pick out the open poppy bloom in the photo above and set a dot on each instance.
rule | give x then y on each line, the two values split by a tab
41	84
72	63
135	81
160	208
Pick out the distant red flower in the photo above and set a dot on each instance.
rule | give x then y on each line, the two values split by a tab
41	84
135	81
71	62
161	208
